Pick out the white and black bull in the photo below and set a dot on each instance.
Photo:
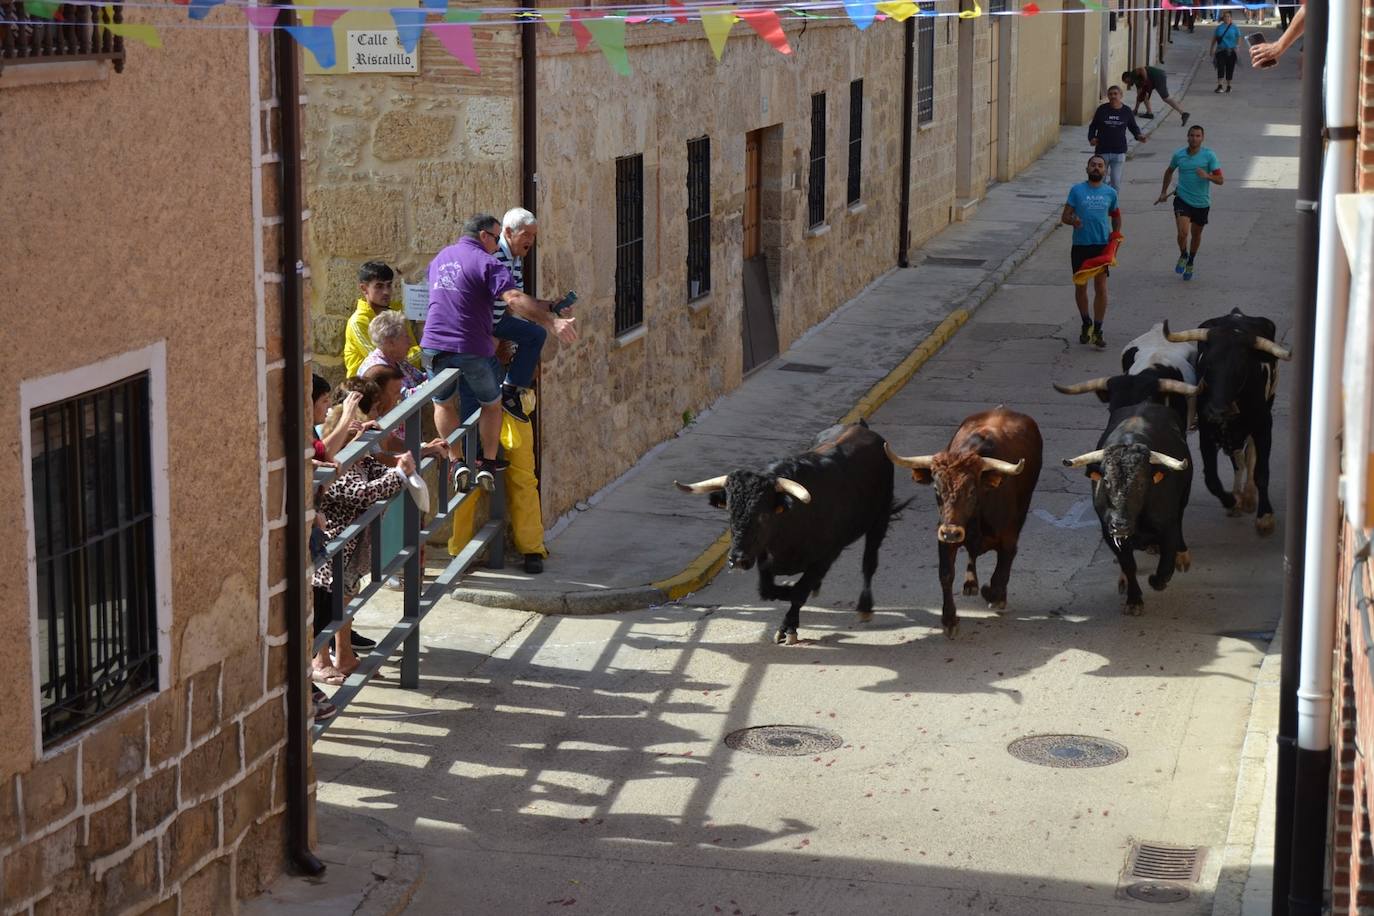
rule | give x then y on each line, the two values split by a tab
796	515
1154	352
1141	478
1156	384
1238	369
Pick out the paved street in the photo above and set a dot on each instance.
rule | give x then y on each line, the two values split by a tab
554	763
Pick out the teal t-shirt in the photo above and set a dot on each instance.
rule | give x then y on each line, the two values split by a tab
1092	205
1227	35
1192	190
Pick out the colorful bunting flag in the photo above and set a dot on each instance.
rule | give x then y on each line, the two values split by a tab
1092	5
456	37
43	9
322	18
317	39
435	6
462	17
900	10
262	18
554	19
1030	9
973	13
861	11
679	5
717	21
769	28
199	9
584	37
1169	6
409	25
138	31
609	32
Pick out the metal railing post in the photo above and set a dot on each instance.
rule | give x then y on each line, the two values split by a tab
410	654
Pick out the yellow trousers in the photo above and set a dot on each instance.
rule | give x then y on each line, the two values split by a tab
523	516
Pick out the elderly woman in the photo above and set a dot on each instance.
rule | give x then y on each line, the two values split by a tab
391	341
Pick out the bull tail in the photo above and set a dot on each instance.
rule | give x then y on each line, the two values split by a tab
896	511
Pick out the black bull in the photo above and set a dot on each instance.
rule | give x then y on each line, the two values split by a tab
796	515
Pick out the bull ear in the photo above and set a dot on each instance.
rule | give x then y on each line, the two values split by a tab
992	479
717	499
1158	476
922	475
1094	476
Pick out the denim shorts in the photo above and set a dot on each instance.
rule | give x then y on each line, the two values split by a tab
482	373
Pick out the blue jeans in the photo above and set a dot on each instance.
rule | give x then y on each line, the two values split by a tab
1115	163
481	372
528	338
467	400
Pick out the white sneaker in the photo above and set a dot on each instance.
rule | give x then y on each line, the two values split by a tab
395	583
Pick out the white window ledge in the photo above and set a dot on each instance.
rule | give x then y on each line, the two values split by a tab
817	231
857	207
58	71
630	336
699	303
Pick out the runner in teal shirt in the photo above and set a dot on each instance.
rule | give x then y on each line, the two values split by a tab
1198	169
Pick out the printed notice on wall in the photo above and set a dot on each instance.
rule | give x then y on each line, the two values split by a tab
380	51
416	298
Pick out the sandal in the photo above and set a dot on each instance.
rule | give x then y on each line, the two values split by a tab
325	710
327	675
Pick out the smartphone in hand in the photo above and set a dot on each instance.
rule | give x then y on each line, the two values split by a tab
565	303
1257	38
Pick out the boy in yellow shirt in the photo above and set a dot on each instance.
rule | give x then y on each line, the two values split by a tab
374	282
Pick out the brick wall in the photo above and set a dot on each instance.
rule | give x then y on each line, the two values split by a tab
1365	159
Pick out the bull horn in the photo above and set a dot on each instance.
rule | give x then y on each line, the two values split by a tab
793	489
702	486
1097	384
1174	386
1197	335
1089	458
915	461
1004	467
1265	345
1173	464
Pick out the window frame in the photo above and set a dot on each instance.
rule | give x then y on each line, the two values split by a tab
854	179
629	251
699	216
925	63
815	176
63	386
61	41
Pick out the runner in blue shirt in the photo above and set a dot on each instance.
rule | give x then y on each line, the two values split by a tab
1092	212
1198	169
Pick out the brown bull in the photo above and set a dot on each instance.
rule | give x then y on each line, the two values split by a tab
983	482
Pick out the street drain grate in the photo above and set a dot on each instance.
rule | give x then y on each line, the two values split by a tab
1157	862
1034	196
802	367
936	261
1068	751
783	740
1157	892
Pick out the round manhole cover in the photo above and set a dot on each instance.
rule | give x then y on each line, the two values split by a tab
1071	751
1157	892
783	740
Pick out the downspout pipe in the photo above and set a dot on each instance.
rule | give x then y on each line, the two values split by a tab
288	90
1323	508
1299	434
908	104
529	136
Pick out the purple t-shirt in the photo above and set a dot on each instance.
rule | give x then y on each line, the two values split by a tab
463	280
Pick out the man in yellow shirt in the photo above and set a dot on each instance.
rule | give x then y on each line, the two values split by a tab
374	282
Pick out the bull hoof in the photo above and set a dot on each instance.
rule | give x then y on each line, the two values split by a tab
1158	583
1264	525
1121	584
995	602
1183	561
792	639
1249	500
1134	609
1235	511
780	637
998	606
951	630
970	586
865	616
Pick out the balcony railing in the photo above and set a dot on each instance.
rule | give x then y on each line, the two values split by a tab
73	34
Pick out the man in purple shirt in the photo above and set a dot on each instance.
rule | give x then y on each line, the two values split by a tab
464	278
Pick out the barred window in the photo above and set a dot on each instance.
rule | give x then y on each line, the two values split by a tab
698	217
997	6
73	33
925	64
856	139
815	185
93	539
629	243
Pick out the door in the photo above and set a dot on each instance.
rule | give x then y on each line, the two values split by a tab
759	330
994	84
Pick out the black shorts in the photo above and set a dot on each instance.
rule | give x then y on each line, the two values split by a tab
1080	253
1196	215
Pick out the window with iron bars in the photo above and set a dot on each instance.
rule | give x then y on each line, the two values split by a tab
815	184
629	243
856	140
74	33
997	6
698	217
925	64
93	540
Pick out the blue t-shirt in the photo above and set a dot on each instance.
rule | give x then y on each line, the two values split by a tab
1091	205
1227	35
1192	190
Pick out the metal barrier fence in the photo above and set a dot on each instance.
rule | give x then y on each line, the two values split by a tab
405	634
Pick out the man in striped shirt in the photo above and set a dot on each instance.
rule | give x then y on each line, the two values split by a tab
527	332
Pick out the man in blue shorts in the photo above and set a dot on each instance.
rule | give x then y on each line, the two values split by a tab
1092	212
1198	169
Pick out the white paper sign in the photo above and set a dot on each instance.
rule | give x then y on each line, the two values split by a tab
379	51
416	299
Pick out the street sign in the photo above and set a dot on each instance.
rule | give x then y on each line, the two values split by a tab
379	51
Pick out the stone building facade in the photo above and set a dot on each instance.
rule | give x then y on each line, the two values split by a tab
150	259
398	161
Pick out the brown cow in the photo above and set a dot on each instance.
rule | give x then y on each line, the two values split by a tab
979	507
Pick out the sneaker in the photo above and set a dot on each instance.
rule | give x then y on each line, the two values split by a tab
534	564
462	477
1218	89
395	584
1098	340
1184	122
360	641
1083	334
323	709
1228	88
1188	272
487	469
1182	264
1149	116
510	403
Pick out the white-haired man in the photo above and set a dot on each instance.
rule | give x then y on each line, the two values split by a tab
526	329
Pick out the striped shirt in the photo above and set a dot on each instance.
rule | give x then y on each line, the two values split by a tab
516	266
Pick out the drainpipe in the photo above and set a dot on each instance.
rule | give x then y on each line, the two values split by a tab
908	101
529	187
288	92
1300	429
1323	507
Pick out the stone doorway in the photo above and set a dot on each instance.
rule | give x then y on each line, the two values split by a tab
762	233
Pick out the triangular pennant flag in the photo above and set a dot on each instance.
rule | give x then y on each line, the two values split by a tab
324	18
435	6
138	31
901	10
201	8
584	37
554	19
1169	6
462	17
1092	5
861	11
717	21
1030	9
409	25
43	9
457	40
609	33
317	39
262	18
766	23
973	13
679	5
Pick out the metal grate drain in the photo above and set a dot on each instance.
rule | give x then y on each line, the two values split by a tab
1157	862
1034	196
802	367
936	261
783	740
1157	892
1067	751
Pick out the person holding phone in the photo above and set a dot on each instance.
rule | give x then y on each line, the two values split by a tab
1266	54
1198	169
1223	50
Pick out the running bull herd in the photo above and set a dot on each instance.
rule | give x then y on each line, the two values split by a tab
796	515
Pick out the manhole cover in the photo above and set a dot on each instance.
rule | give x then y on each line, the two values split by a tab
1072	751
783	740
1155	892
940	261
